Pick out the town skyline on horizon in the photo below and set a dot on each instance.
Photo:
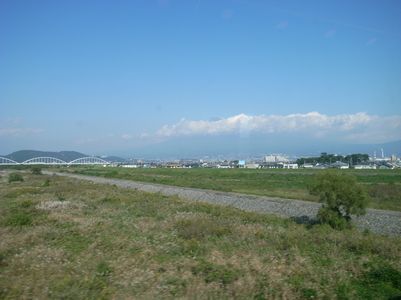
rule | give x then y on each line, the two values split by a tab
386	150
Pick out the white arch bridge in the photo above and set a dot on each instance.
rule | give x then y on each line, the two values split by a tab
45	160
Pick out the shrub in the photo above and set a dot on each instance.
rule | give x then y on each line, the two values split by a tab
15	177
331	217
36	170
341	196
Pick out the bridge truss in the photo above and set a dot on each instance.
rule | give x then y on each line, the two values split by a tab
6	161
90	160
44	161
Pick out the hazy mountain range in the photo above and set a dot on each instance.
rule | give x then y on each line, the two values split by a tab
251	146
213	147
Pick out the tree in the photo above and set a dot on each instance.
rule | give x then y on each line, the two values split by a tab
357	158
341	196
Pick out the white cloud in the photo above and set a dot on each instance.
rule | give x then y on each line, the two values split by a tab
359	127
13	127
126	136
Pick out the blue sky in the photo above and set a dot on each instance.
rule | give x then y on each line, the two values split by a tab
119	76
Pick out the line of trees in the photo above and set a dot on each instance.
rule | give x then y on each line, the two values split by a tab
324	158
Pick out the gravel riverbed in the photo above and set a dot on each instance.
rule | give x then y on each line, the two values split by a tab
378	221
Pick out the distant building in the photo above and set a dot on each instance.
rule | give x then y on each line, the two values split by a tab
364	167
252	166
173	165
339	165
224	166
271	165
290	166
320	166
129	166
275	158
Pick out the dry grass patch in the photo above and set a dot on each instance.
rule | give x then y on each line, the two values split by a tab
87	241
200	227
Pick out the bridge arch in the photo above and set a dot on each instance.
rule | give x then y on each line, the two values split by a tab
44	161
89	160
7	161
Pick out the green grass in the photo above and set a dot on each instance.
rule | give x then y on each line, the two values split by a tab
103	242
383	186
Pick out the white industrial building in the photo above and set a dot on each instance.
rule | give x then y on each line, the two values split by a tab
275	158
290	166
360	167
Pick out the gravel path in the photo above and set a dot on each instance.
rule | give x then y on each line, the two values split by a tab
378	221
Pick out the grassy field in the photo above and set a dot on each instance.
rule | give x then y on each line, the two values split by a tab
383	186
66	239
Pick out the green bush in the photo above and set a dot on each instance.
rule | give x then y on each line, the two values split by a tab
331	217
341	197
13	177
36	170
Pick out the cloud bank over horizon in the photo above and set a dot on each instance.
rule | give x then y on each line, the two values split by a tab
356	128
292	133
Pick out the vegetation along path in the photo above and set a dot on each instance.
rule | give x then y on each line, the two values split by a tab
378	221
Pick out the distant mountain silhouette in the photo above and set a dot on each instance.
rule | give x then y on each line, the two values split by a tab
225	147
259	145
113	158
388	148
